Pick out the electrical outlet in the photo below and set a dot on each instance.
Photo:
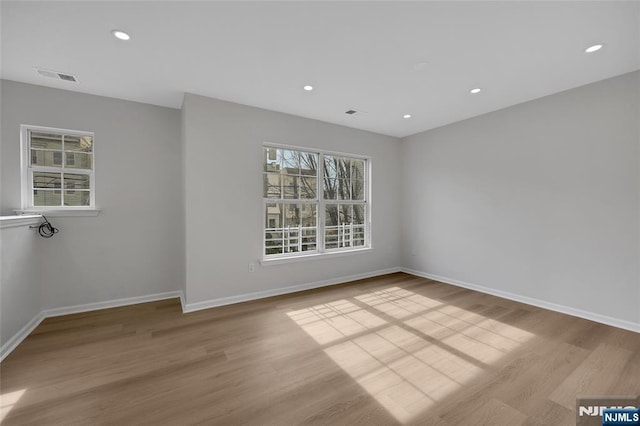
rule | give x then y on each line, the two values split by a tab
252	267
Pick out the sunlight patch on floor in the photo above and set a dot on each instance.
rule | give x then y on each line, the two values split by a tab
487	339
397	302
406	350
329	322
8	401
404	373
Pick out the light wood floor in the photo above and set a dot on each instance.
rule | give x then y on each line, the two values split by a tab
390	350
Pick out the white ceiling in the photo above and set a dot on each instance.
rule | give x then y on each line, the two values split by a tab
357	55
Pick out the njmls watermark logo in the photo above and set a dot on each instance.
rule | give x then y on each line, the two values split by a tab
608	411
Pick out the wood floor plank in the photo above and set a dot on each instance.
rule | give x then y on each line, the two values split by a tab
596	375
395	349
548	413
496	412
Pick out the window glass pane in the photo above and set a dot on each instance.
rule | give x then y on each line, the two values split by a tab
291	187
359	225
290	162
308	164
357	167
346	226
46	141
336	182
357	189
359	214
76	181
343	189
292	215
78	143
330	167
272	185
273	216
271	160
331	226
292	228
77	198
42	197
308	187
273	229
308	215
344	168
70	159
346	212
46	158
308	230
330	188
331	215
76	160
47	180
337	167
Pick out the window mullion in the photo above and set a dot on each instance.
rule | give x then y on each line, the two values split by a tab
321	209
30	184
63	163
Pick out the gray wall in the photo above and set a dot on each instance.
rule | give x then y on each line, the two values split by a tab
129	249
539	200
223	167
20	278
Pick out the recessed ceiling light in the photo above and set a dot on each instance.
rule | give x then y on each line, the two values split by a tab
308	88
594	48
476	90
121	35
407	116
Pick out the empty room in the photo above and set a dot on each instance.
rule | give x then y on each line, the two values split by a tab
320	212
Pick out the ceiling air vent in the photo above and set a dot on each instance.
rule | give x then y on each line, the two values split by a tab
57	75
67	77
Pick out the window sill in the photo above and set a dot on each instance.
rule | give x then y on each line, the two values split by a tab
59	213
15	221
314	256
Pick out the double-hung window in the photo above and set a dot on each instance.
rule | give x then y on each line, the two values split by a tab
314	202
57	169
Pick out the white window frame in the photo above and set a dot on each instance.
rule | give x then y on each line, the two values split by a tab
27	170
320	203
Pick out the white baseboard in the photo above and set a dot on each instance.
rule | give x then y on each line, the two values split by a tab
183	301
110	304
212	303
12	343
17	338
604	319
